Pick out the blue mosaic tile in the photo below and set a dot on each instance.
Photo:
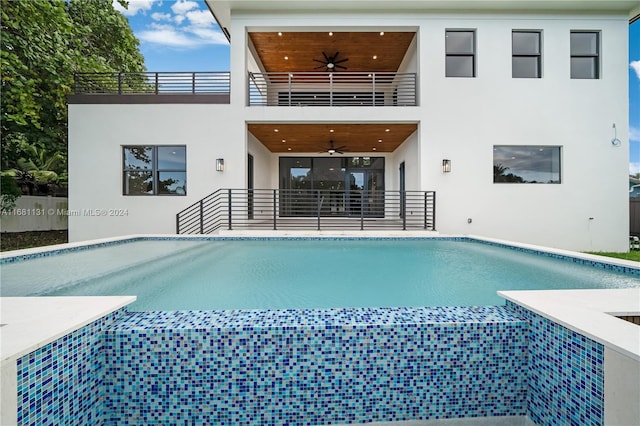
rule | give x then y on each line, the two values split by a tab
565	374
315	366
61	383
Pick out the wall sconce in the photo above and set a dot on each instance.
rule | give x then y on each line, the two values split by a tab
446	166
220	164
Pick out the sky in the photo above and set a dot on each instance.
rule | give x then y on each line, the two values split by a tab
182	35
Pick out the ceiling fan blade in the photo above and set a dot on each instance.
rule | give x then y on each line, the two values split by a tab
319	61
326	58
340	147
341	61
339	152
321	66
340	66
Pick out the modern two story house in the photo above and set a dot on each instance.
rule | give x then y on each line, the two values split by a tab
491	118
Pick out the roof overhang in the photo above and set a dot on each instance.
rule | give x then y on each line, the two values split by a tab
221	9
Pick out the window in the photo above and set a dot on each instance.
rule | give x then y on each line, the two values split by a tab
154	170
585	54
526	54
526	164
460	48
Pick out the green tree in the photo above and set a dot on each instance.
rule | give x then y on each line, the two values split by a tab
43	44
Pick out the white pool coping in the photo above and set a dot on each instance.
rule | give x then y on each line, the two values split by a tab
591	313
28	323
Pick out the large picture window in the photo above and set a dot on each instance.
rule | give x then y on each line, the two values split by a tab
154	170
460	47
526	164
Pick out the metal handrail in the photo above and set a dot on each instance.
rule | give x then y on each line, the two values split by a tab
210	82
308	209
332	89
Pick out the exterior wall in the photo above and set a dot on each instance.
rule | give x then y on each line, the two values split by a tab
465	117
459	118
265	175
409	152
621	389
96	136
34	213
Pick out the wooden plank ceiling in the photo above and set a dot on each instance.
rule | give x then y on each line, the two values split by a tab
316	137
366	51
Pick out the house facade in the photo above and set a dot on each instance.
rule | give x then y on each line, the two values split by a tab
472	118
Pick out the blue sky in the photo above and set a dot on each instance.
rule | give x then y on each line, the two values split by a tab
181	35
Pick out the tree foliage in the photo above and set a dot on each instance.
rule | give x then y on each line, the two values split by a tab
43	44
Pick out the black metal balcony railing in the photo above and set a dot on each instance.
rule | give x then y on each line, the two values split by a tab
332	89
153	83
274	209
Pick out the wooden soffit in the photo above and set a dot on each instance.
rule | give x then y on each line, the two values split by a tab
366	51
316	137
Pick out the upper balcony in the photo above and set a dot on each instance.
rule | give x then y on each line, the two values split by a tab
354	67
332	89
152	88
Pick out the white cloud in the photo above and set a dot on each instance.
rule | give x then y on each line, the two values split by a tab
162	27
183	6
201	18
157	16
134	7
634	134
634	168
209	36
169	29
188	38
169	37
635	65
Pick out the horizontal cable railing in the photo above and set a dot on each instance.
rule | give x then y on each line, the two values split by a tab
332	89
273	209
216	82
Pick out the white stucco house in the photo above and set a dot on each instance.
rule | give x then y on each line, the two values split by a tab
491	118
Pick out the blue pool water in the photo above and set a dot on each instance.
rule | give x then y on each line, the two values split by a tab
297	274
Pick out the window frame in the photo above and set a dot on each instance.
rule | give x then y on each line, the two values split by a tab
472	55
540	147
155	171
596	55
538	56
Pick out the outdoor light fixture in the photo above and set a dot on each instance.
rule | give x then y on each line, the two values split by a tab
220	164
446	166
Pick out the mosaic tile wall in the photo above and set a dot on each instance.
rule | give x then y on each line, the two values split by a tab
315	366
61	383
566	374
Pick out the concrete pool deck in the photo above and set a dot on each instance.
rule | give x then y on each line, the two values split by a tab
591	313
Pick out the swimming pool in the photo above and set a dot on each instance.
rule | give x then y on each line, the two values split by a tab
219	273
316	366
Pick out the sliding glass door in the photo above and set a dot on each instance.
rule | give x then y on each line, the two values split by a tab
332	186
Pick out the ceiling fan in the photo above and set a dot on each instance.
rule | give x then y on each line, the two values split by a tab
332	149
331	63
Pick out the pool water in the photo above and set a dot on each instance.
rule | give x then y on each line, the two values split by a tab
298	274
